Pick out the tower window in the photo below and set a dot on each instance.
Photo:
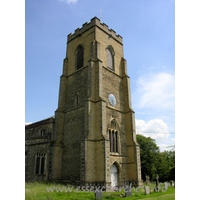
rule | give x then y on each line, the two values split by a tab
79	57
113	137
110	58
40	163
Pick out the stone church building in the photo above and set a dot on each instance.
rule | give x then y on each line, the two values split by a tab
91	140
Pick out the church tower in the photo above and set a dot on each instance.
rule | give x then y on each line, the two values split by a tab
95	139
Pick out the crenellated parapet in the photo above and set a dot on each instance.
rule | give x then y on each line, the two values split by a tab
94	22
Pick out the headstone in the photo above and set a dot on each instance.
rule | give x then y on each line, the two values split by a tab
147	180
157	180
169	184
98	195
147	190
128	191
127	194
173	183
166	185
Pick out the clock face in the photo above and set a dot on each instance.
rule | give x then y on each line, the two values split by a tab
112	100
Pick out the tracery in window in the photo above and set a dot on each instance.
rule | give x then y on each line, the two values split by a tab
40	163
113	137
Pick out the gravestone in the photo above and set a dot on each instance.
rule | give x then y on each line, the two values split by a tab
166	185
147	180
98	195
157	180
157	184
128	191
147	190
173	183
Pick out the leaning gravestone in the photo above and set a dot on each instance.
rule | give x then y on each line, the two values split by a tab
98	195
147	190
128	191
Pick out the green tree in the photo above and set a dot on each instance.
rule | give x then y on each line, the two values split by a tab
155	162
166	165
149	153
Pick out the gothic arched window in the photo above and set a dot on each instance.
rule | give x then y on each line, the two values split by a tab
79	57
110	58
113	137
40	163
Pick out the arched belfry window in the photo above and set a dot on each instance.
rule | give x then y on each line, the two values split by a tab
110	57
79	57
113	136
40	163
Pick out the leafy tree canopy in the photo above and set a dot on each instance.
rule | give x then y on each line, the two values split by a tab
155	162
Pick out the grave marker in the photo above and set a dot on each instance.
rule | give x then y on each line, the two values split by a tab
98	195
147	190
128	191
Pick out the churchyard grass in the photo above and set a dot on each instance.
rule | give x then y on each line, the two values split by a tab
38	191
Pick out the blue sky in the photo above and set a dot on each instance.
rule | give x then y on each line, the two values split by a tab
148	31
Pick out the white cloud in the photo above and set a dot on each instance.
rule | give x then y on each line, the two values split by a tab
68	1
155	91
156	129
